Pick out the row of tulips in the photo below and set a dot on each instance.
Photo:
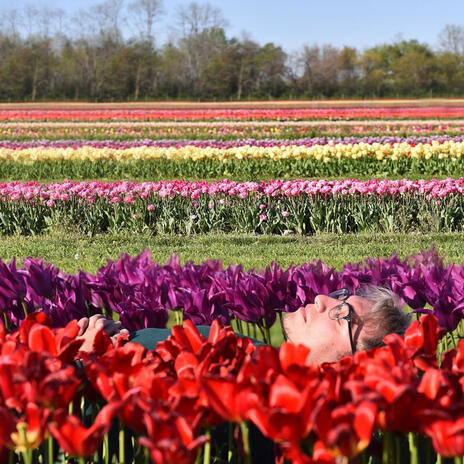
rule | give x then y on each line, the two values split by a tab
413	140
128	131
232	113
174	398
272	207
126	192
142	293
317	149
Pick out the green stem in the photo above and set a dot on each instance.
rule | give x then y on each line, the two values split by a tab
27	456
207	449
81	460
254	332
453	339
247	329
413	448
230	452
24	309
246	441
6	322
240	326
439	459
147	455
70	408
11	457
397	449
122	454
269	340
106	449
50	449
387	448
263	333
198	458
457	460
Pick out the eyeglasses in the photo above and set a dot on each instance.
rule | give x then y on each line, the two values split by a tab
343	311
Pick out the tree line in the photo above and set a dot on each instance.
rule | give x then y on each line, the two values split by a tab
45	55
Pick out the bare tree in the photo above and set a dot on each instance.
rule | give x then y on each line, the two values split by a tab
99	21
11	22
29	16
145	13
199	25
321	68
194	17
452	39
107	16
60	21
45	20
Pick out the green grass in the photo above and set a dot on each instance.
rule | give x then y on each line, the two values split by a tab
240	170
70	252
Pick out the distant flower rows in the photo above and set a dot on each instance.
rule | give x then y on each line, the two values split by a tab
224	130
253	112
321	149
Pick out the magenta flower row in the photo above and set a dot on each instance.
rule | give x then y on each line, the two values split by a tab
126	192
309	141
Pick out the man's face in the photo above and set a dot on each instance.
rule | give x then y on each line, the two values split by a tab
328	339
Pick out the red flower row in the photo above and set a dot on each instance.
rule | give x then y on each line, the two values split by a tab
169	395
250	113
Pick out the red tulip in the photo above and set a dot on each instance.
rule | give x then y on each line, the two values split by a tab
447	436
227	397
170	439
441	388
26	432
320	455
77	440
421	340
34	428
285	415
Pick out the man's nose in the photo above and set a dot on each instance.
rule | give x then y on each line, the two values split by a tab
323	303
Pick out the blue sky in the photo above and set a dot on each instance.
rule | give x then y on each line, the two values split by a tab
292	23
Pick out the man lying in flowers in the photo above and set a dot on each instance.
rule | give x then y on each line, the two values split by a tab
333	326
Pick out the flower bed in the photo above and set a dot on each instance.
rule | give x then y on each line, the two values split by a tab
241	158
250	113
143	293
321	149
172	400
226	130
274	207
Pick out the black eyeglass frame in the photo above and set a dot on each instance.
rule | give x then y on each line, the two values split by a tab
343	294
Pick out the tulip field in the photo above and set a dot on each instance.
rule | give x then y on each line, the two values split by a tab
239	394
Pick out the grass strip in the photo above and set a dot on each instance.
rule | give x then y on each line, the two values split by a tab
71	252
240	170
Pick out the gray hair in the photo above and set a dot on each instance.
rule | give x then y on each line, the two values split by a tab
385	316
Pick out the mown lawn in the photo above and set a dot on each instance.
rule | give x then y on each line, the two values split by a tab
70	252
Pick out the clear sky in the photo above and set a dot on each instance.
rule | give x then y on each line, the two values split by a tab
292	23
